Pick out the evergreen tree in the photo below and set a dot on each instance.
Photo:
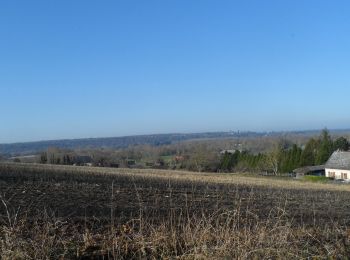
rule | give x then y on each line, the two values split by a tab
341	143
308	155
295	157
290	159
325	149
229	161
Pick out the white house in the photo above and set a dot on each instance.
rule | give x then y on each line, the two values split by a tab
338	166
228	151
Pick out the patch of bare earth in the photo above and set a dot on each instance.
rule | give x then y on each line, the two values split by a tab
82	213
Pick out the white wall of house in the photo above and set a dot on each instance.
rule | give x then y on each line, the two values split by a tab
338	174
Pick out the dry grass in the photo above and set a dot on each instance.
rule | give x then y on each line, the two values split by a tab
147	214
218	236
243	179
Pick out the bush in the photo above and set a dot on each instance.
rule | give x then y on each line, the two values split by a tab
316	178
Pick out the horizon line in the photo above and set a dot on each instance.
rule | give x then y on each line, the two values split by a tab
179	133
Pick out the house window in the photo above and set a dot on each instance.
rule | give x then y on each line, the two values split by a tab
345	175
331	174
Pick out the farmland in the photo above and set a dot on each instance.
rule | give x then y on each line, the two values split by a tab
84	212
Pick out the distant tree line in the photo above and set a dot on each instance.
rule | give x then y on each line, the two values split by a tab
279	155
54	155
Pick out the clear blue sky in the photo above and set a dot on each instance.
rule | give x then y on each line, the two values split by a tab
71	69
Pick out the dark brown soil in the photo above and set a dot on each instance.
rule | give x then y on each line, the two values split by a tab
83	198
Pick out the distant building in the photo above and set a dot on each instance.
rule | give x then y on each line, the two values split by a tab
228	151
179	158
318	170
338	165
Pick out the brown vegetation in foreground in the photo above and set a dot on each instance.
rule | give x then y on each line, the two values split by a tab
83	213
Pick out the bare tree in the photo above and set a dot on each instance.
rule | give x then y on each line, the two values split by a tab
273	158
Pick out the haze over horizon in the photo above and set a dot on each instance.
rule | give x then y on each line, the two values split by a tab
85	69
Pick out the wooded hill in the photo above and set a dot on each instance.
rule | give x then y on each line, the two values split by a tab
153	140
